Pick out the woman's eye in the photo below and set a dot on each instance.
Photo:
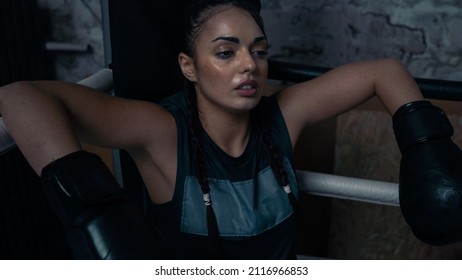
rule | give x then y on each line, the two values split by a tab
261	53
224	54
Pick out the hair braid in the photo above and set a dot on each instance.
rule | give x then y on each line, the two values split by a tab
194	125
275	157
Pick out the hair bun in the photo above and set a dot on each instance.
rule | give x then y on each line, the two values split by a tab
255	3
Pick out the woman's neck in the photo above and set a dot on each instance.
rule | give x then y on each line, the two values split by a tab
229	131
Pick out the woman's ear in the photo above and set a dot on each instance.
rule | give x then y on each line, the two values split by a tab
187	66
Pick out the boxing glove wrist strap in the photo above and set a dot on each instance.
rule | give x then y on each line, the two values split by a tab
78	184
420	121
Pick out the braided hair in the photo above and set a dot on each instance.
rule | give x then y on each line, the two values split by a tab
193	21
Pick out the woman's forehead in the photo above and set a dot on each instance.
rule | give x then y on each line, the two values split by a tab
231	21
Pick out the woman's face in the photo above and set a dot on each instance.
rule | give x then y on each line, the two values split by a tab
229	67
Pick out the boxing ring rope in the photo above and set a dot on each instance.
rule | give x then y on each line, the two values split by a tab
328	185
101	80
6	142
371	191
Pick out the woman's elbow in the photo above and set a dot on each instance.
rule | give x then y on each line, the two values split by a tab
15	92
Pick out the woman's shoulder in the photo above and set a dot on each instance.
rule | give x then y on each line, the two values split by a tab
175	103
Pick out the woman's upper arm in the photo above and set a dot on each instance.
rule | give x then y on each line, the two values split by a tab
109	121
343	88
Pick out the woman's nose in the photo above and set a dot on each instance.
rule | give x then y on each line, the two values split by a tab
247	62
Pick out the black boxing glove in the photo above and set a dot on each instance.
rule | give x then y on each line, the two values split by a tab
100	222
430	181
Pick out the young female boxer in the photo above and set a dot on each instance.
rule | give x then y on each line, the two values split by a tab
216	159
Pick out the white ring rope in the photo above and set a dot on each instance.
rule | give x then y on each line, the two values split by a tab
101	80
6	142
343	187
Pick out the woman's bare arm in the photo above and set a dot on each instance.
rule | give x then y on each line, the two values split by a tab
49	119
344	88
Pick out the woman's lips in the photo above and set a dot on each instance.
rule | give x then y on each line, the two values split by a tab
247	88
